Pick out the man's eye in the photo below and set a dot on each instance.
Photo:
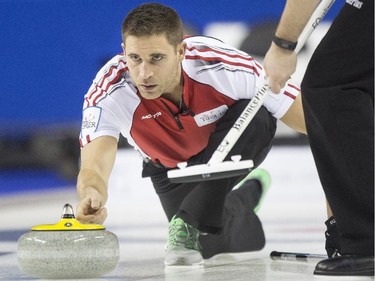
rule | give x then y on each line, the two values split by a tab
157	58
135	58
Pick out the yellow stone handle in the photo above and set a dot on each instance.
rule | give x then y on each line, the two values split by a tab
68	222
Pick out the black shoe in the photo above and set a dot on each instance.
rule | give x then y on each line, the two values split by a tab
346	265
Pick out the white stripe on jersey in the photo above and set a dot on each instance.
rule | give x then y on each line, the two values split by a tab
106	78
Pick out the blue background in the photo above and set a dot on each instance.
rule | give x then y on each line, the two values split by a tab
50	50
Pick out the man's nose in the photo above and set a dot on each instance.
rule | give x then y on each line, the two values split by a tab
146	70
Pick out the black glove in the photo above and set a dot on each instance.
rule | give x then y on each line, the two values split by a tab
333	247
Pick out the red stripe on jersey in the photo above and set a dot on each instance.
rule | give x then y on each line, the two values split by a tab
87	99
258	65
294	87
88	138
221	53
98	86
289	95
110	84
225	61
98	92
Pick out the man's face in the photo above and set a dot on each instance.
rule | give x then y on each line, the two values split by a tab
154	64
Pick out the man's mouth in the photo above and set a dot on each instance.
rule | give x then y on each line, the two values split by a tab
147	87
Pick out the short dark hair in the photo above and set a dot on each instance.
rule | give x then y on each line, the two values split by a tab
153	19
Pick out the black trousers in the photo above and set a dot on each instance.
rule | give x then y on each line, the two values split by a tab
227	216
338	101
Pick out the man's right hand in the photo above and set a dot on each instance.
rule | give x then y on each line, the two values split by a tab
90	208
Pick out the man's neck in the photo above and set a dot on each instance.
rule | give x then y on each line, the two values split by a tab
175	95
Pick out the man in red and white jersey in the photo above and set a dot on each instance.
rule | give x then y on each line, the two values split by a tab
174	99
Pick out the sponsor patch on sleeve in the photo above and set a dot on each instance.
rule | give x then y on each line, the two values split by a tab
90	120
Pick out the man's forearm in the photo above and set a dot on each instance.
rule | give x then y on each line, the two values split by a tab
90	178
294	18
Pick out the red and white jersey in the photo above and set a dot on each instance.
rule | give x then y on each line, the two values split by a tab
215	76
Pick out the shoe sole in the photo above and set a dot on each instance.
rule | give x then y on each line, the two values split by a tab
363	275
183	258
183	262
342	277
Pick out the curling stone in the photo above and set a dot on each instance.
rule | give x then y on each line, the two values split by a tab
68	249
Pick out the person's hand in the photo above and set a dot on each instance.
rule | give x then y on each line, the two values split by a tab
90	208
279	65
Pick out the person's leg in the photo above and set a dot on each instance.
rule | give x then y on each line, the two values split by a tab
337	96
183	246
254	143
199	204
240	227
242	230
191	200
337	92
202	205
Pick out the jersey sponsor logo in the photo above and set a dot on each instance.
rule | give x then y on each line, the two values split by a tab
210	116
151	116
90	120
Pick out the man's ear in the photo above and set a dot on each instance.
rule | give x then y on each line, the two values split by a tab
181	50
123	47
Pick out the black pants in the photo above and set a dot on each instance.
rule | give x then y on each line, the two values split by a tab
210	206
338	100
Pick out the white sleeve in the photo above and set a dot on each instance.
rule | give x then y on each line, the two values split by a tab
97	121
233	73
112	116
278	104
